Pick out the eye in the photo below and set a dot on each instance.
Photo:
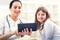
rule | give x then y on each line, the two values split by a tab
19	7
15	7
38	14
43	14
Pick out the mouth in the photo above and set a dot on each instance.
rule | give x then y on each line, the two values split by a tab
17	12
40	18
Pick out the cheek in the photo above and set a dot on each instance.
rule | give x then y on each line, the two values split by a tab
44	17
12	10
38	17
41	19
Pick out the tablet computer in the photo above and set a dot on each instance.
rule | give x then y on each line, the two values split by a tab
27	25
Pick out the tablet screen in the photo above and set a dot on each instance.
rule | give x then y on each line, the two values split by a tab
27	25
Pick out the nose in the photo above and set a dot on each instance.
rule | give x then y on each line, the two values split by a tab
17	9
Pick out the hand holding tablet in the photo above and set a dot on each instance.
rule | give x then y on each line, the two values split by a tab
27	25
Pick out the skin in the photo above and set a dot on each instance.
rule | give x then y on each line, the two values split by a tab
15	10
41	16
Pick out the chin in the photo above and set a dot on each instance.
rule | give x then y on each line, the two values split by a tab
16	15
40	21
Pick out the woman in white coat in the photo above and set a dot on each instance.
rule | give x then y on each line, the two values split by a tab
8	24
49	30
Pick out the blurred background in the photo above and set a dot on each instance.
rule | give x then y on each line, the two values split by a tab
29	8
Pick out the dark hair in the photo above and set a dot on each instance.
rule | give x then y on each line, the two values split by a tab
41	25
11	3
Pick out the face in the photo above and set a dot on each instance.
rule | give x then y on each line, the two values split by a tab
41	16
15	9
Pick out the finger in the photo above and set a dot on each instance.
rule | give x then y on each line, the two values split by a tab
16	32
30	31
24	31
27	30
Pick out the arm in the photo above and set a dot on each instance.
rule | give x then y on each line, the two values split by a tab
6	36
56	33
48	30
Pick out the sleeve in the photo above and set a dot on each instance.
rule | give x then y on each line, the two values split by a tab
48	30
56	33
1	26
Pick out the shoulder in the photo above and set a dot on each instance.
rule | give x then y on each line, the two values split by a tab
49	22
3	19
